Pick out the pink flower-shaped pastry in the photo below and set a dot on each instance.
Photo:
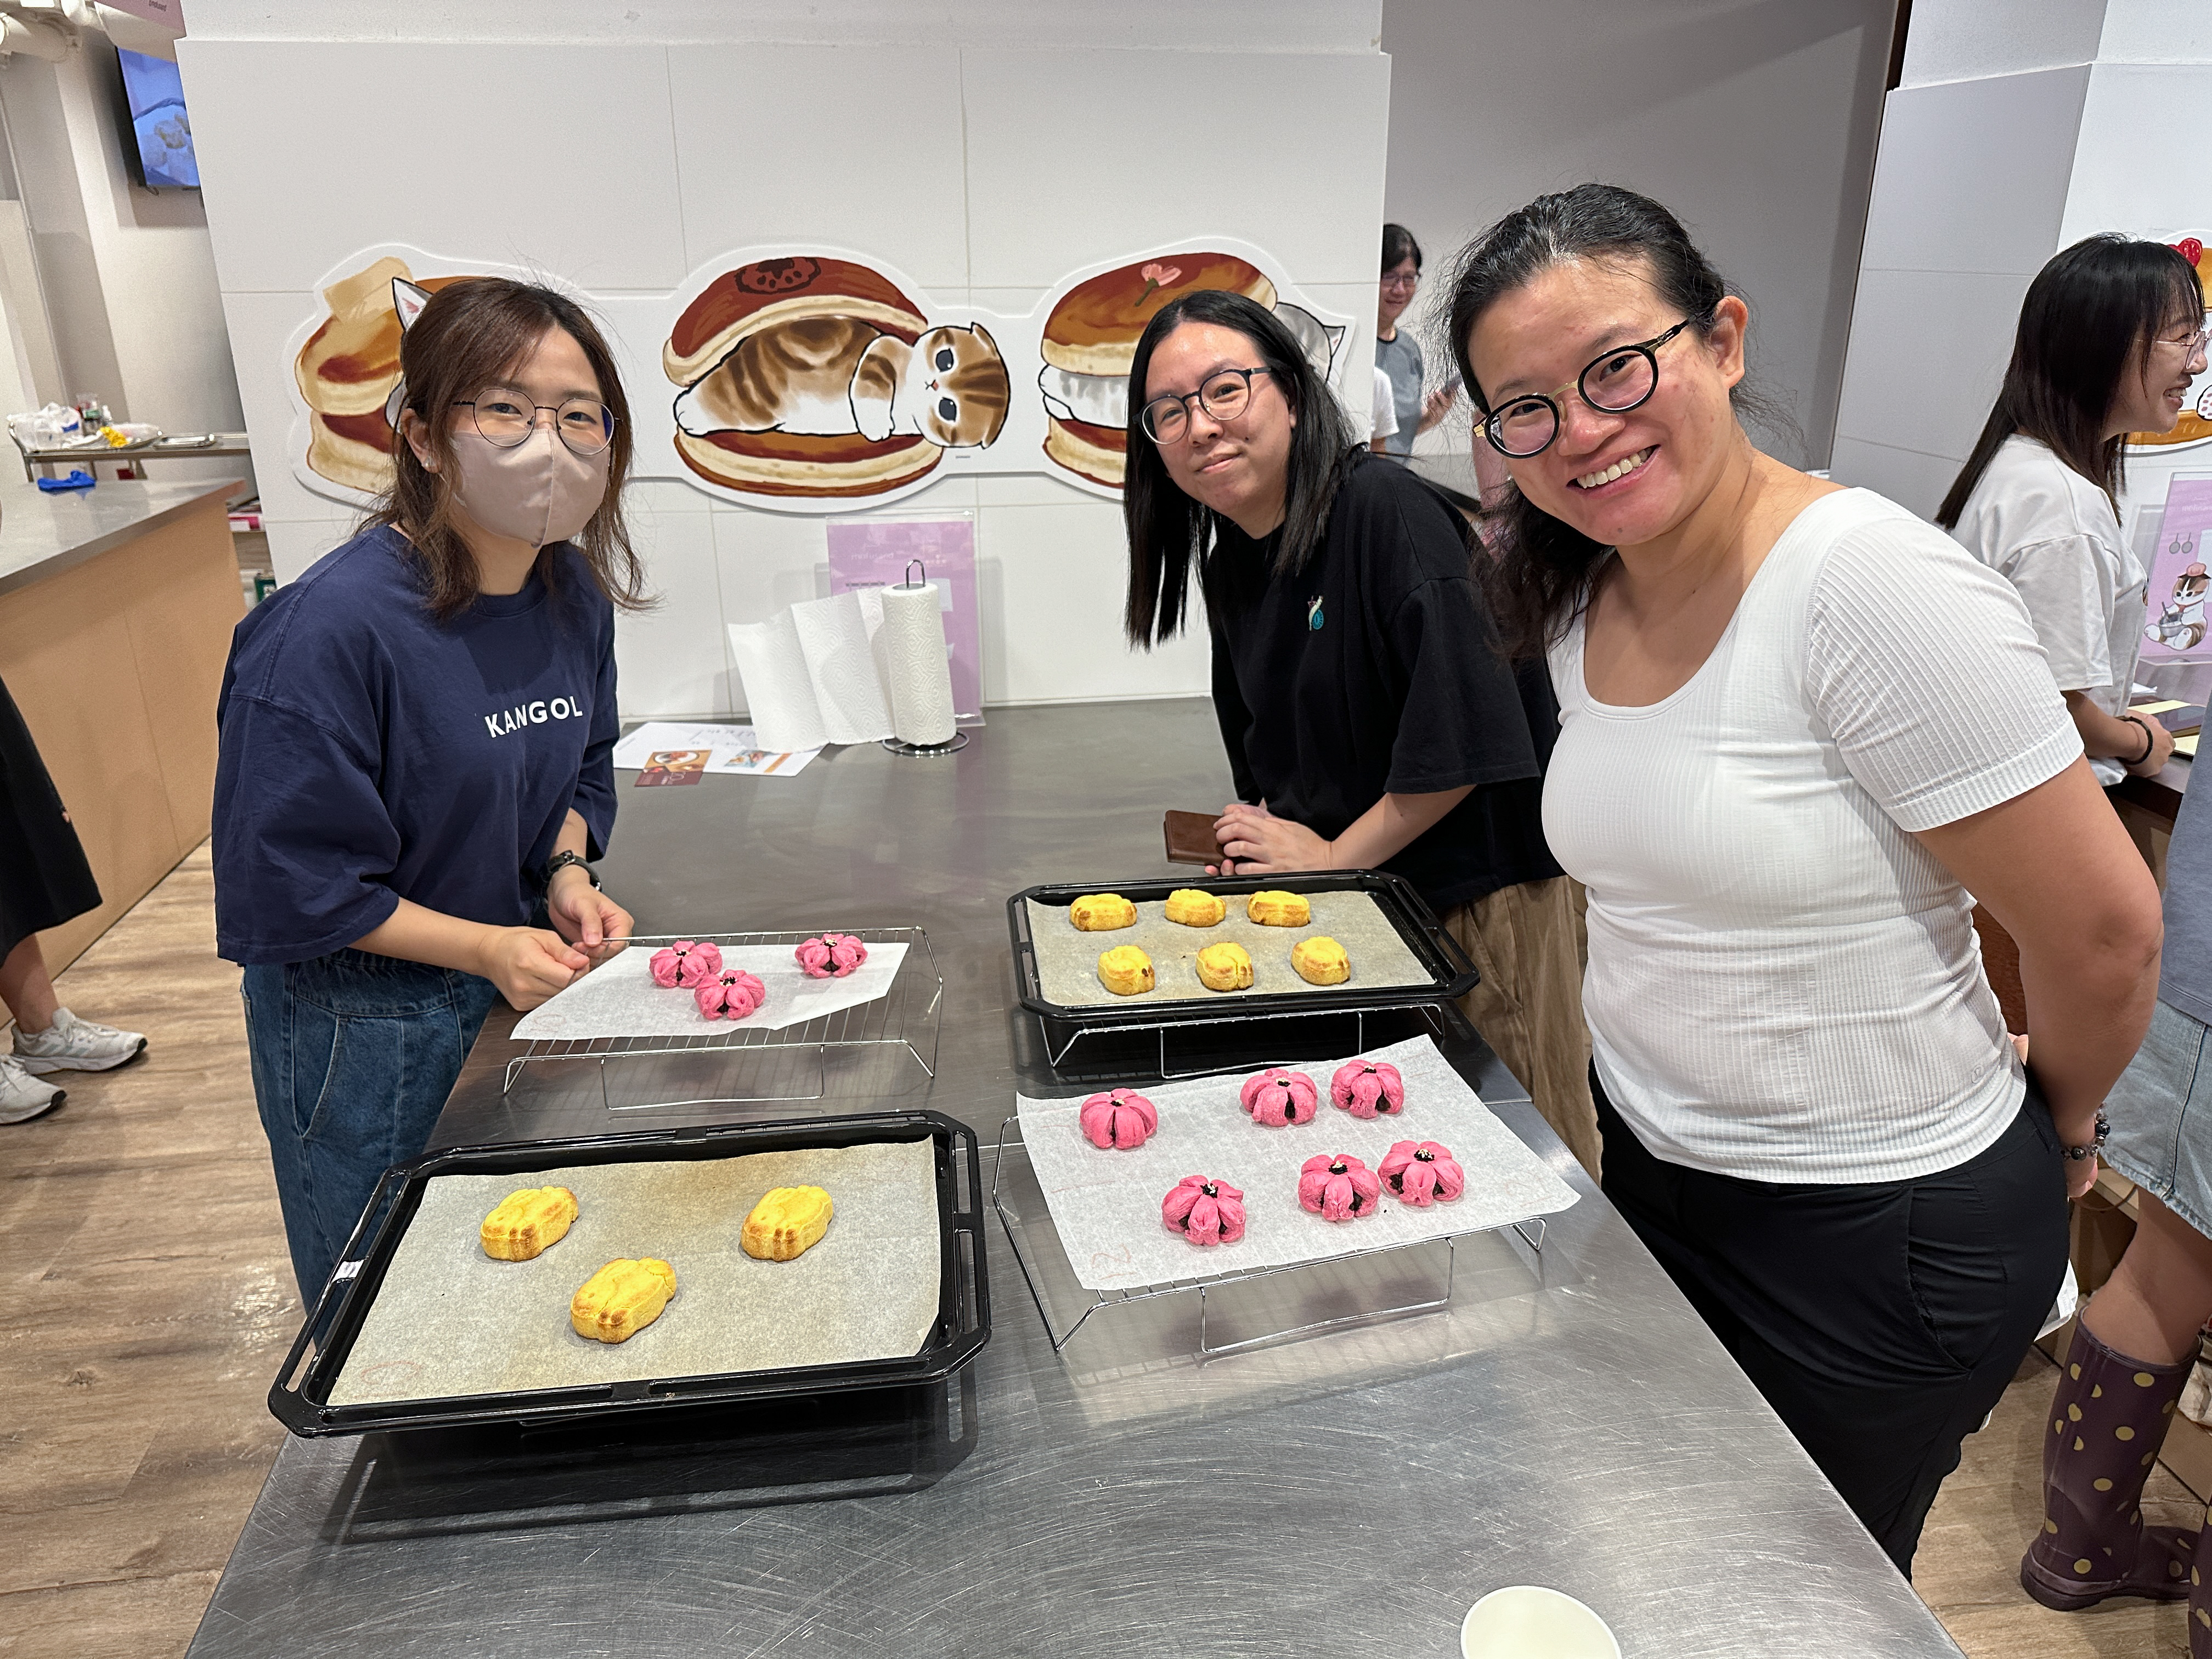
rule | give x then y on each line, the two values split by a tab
686	966
1118	1120
1276	1097
1422	1173
1338	1187
1204	1211
731	994
831	957
1368	1088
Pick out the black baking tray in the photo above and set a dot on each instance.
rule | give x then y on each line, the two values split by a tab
1452	975
299	1398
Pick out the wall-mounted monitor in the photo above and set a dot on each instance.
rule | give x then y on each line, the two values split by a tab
160	132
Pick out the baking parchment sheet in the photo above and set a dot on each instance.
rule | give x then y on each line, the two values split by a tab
448	1320
618	999
1106	1205
1067	957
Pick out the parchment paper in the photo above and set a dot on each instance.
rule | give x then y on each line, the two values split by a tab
1106	1205
448	1320
1067	957
619	999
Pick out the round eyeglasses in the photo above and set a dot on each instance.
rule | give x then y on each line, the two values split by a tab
1224	395
504	417
1621	380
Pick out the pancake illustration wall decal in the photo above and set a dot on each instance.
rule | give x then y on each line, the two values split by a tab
344	372
1089	341
804	374
2194	426
800	379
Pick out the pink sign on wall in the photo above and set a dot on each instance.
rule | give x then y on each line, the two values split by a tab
875	553
2179	583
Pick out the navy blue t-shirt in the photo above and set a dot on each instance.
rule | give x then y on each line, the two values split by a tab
372	754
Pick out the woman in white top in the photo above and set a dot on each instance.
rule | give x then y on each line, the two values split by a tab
2110	337
1769	777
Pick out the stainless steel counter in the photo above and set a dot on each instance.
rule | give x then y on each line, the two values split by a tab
44	533
1568	1422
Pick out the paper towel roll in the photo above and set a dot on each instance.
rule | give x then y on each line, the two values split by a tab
778	691
833	634
919	675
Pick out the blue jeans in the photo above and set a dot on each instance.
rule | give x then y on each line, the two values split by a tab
353	1055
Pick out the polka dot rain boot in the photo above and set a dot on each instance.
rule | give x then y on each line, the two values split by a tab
2107	1421
2200	1594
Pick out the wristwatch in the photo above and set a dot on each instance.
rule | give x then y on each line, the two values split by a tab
2104	1128
562	860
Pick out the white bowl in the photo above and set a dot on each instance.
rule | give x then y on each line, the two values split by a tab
1528	1621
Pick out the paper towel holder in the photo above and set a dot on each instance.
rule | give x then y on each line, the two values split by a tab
917	576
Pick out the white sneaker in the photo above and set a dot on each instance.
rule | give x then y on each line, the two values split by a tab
70	1044
22	1096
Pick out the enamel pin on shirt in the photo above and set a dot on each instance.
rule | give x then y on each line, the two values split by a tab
1313	613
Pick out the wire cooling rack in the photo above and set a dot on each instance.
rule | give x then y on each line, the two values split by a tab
907	1017
1066	1305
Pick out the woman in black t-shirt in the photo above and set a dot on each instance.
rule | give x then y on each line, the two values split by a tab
1369	719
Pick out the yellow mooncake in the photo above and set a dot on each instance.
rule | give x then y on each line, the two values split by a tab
528	1223
785	1223
1321	961
622	1298
1225	967
1278	909
1194	908
1125	970
1101	913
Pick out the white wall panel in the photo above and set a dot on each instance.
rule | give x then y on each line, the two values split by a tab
1929	350
311	151
1973	174
295	544
1292	173
889	116
1965	40
671	661
1914	482
2134	171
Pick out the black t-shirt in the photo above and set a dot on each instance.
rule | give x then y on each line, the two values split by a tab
1378	672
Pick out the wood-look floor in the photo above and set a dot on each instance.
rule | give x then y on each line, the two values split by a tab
146	1301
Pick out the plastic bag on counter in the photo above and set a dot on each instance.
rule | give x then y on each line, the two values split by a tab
57	423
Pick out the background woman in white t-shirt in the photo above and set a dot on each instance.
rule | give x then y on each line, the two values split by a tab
2111	334
1794	720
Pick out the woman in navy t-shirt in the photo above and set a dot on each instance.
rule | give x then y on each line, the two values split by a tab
418	739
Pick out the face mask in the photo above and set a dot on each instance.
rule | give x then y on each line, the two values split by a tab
538	492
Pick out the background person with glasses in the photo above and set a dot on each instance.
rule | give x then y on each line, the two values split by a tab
1397	353
1797	725
1369	721
2111	334
416	745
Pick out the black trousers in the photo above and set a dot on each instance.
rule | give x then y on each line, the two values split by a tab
1881	1321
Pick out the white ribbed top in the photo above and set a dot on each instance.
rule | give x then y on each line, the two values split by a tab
1783	984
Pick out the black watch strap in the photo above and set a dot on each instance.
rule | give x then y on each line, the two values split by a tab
562	860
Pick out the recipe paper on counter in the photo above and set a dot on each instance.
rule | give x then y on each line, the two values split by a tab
1106	1205
618	999
734	749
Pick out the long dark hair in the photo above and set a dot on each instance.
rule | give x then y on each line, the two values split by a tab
1544	564
1171	533
468	335
2089	319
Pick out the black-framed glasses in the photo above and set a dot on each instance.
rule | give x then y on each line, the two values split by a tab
1224	395
504	417
1619	381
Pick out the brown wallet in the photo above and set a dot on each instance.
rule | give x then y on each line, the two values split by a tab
1191	839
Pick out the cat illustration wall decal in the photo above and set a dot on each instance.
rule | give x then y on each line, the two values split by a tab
797	379
348	368
812	375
